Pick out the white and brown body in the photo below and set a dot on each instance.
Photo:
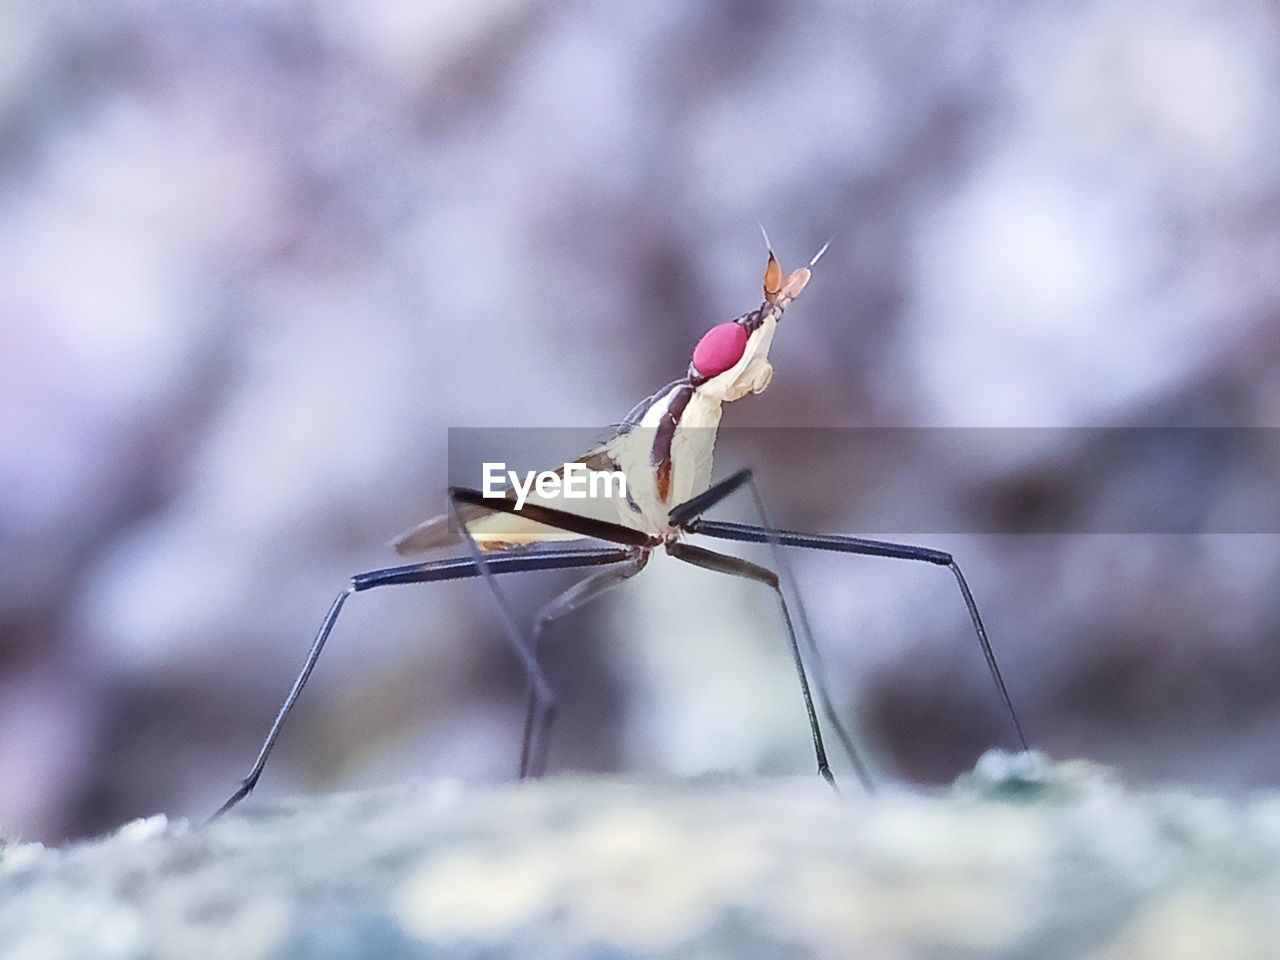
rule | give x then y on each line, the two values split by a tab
667	448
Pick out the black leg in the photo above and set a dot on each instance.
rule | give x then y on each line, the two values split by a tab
737	567
432	572
575	598
542	713
688	511
747	533
542	702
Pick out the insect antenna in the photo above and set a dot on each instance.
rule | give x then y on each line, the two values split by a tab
764	233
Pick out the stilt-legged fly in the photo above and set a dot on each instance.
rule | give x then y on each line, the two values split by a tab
664	449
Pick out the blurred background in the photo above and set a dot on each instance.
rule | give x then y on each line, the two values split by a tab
258	256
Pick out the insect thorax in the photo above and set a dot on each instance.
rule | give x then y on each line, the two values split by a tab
668	457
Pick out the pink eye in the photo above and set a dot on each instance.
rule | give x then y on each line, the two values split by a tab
719	349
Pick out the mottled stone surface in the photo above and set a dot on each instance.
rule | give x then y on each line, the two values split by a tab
1018	859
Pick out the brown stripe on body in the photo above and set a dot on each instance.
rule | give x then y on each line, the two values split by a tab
660	458
751	321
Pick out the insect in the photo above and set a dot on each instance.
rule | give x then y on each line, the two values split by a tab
664	449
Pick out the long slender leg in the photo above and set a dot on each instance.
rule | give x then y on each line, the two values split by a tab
575	598
737	567
542	713
747	533
542	704
687	511
432	572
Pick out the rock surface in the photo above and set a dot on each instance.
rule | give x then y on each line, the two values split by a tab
1018	859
